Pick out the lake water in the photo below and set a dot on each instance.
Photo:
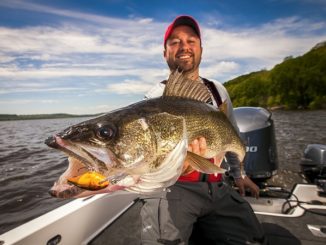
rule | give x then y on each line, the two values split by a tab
28	168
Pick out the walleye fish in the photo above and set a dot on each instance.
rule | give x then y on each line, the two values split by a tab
142	147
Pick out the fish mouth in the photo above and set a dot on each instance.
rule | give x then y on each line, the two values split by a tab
94	158
82	158
62	188
65	190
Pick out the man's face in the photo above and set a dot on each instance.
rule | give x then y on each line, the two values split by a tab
183	50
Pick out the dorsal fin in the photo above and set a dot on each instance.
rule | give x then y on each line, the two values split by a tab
178	85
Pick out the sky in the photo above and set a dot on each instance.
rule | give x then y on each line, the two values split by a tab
86	57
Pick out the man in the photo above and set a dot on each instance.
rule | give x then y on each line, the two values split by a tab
220	214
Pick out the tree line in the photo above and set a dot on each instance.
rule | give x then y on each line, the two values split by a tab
296	83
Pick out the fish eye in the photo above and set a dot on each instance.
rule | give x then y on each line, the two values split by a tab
105	132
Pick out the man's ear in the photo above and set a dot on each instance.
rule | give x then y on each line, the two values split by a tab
164	53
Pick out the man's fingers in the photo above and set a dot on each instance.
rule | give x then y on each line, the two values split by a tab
198	146
195	147
254	189
255	192
202	146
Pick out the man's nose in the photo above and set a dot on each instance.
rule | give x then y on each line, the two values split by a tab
184	45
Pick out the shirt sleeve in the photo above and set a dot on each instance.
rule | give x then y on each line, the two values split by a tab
155	92
231	158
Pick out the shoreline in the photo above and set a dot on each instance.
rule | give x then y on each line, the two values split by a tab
15	117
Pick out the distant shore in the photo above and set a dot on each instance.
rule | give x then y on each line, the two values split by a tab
12	117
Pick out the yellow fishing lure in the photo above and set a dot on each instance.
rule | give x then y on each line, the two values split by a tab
89	181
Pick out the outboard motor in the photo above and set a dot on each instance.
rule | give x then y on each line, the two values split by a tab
257	132
313	165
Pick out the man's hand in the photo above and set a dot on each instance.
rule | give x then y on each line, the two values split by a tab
245	182
199	147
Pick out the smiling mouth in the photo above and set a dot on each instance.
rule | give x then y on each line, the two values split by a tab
184	57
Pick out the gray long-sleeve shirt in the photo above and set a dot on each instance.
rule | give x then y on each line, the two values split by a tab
232	159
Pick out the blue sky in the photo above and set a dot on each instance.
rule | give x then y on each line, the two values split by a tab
82	56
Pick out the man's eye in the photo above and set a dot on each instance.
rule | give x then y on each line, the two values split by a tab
174	42
191	41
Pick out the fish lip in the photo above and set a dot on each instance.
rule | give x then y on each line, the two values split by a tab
51	142
67	192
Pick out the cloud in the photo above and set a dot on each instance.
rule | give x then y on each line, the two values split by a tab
269	41
147	78
100	108
25	101
129	87
10	90
63	48
102	50
34	7
68	50
6	58
9	87
262	46
61	40
223	68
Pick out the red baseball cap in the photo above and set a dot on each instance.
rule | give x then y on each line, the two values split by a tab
179	21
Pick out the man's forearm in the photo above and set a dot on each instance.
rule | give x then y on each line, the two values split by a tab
236	168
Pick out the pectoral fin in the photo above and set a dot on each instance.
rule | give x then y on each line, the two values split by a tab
202	164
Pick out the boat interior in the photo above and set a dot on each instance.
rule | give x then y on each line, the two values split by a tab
298	218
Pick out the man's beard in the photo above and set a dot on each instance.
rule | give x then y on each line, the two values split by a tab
183	66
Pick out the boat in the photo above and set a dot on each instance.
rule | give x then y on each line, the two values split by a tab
288	217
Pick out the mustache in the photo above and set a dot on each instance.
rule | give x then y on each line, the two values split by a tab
184	53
